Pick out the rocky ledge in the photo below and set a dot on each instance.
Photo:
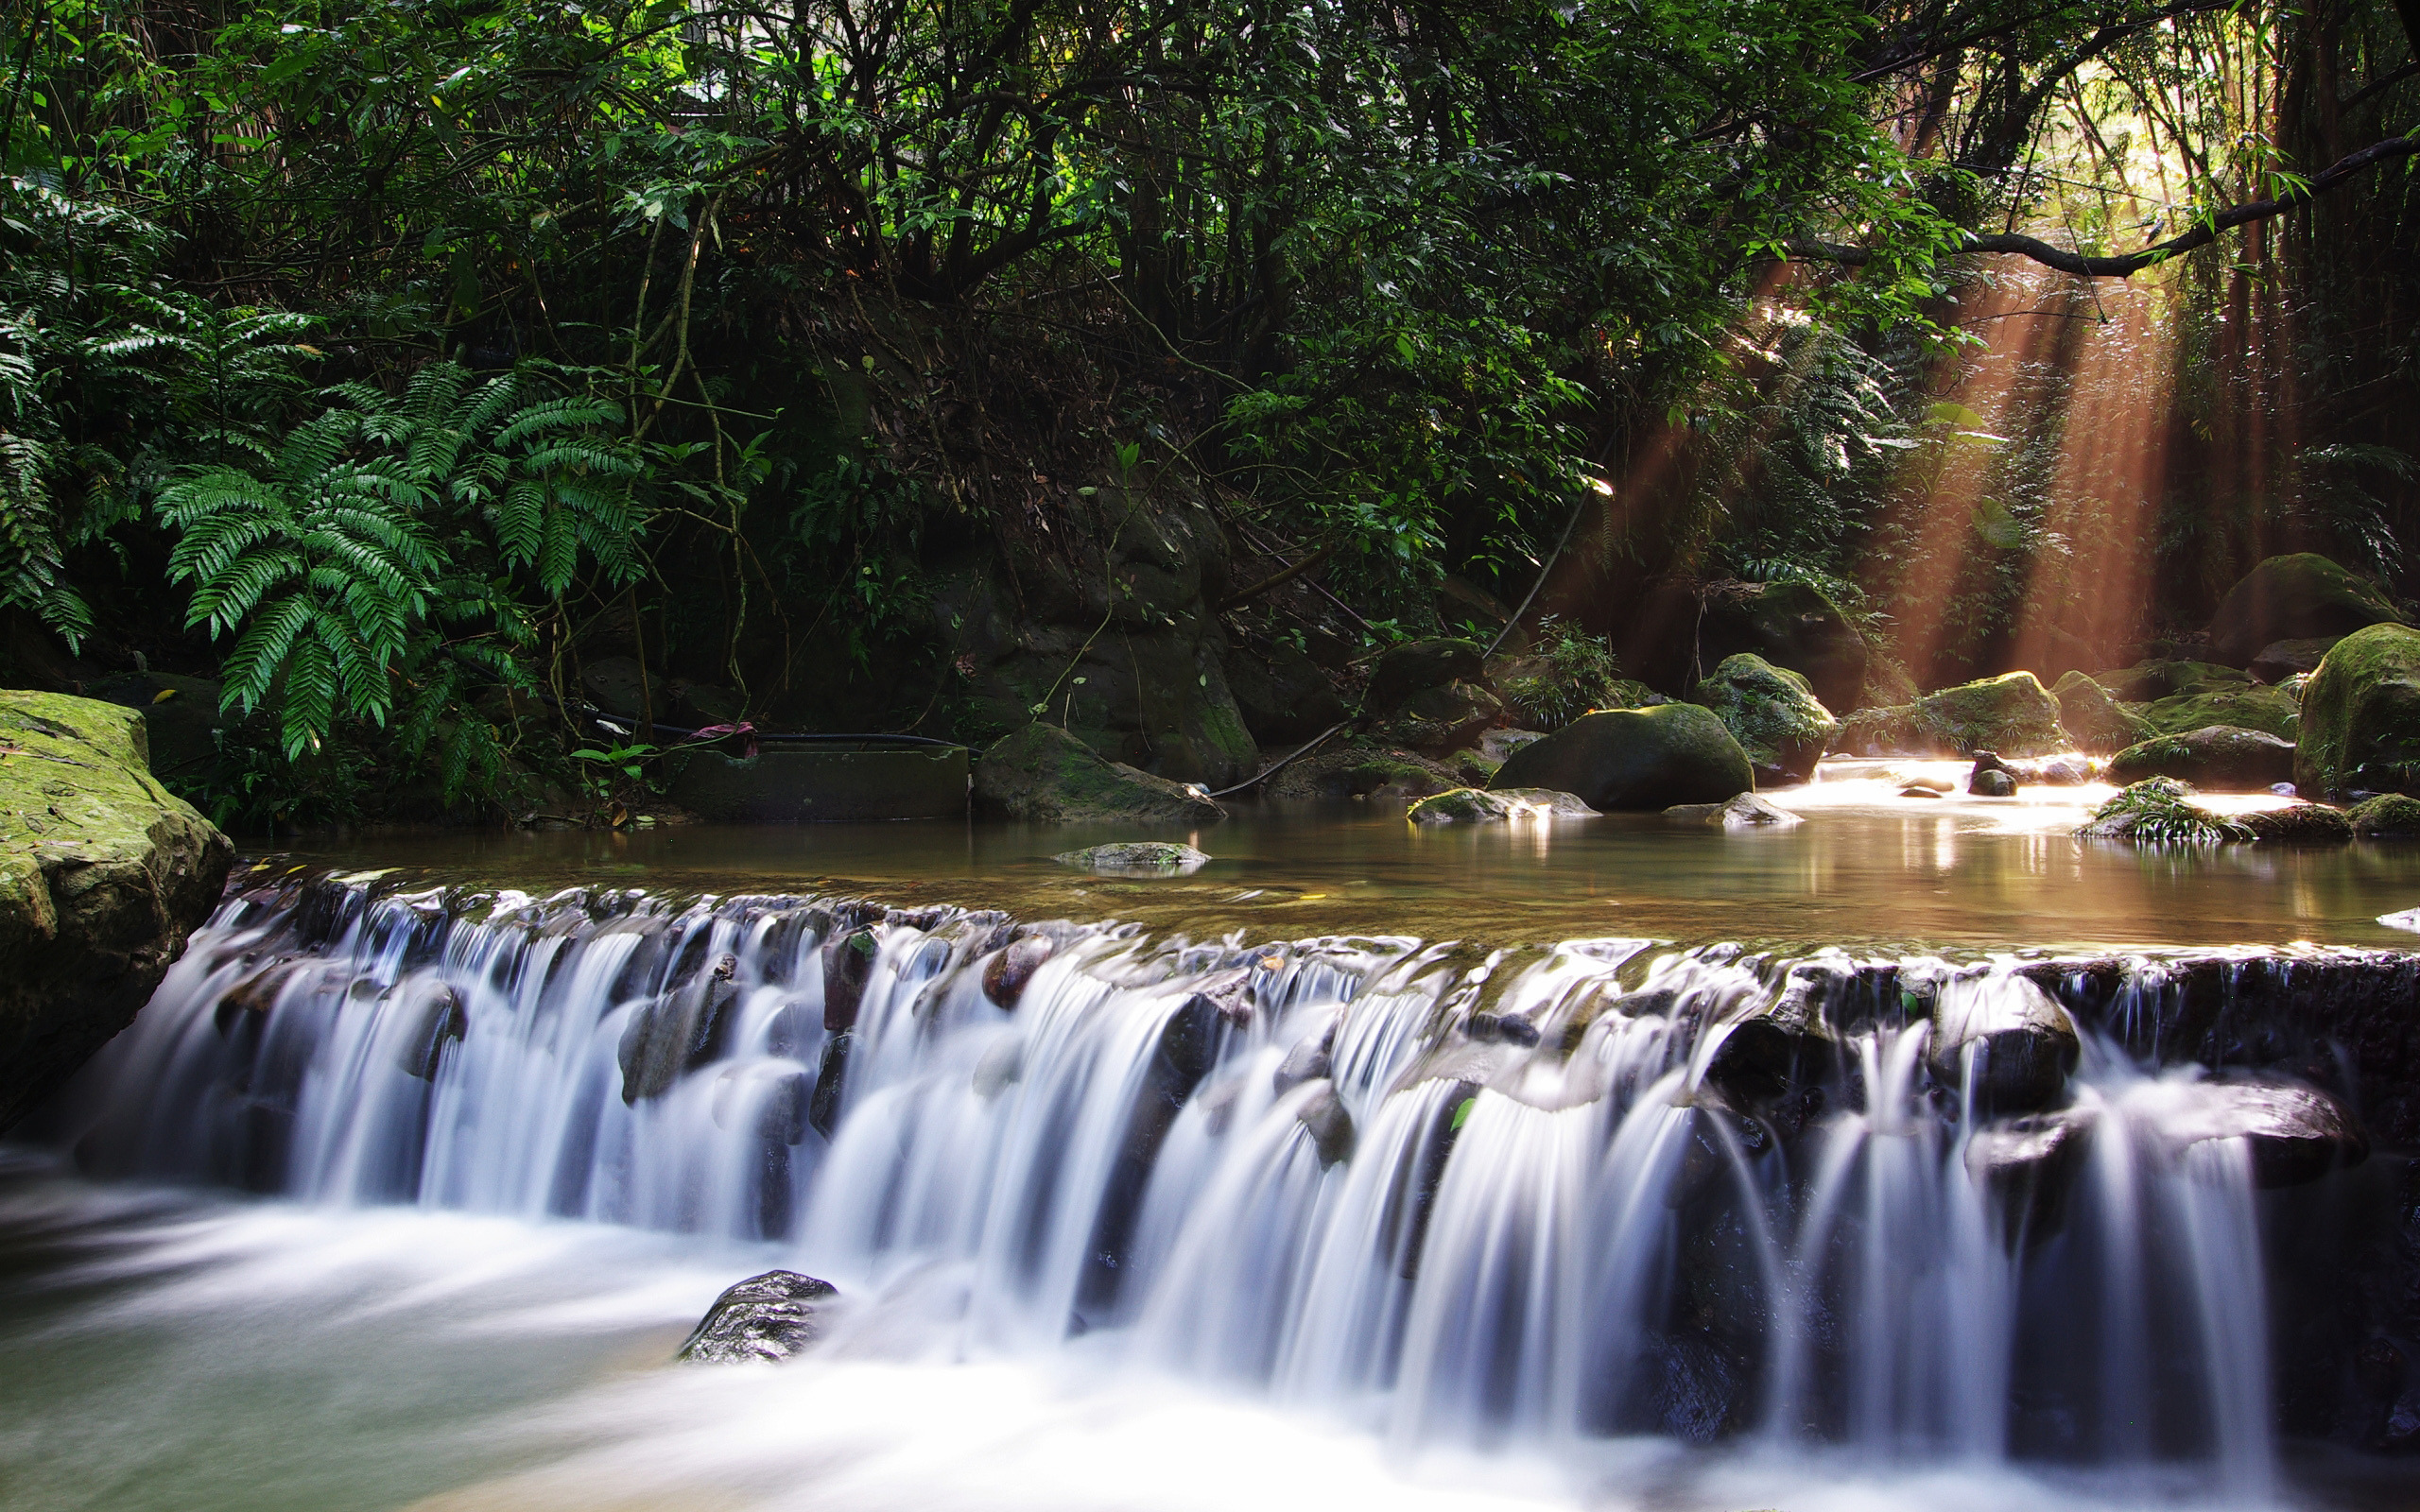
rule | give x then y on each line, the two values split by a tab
102	875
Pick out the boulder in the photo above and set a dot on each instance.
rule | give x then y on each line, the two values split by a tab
1992	781
1635	759
770	1316
2280	660
2092	716
1149	858
1414	665
1006	974
1683	630
2299	823
1283	695
2146	681
2289	598
1443	719
1745	812
2271	710
1044	773
2361	717
2222	757
1471	805
2387	816
103	874
1775	715
2004	1041
2012	713
2296	1133
1346	771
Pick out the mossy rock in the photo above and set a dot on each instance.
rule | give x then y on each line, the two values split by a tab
1793	625
2160	810
2294	597
2150	681
1044	773
2225	757
1348	772
1773	714
2094	719
102	875
2299	824
1151	858
2268	710
2387	816
1469	805
2012	714
1635	759
1451	716
2361	717
1406	669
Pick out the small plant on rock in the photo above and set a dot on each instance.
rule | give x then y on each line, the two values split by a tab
2161	811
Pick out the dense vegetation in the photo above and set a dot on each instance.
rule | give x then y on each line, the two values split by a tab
388	362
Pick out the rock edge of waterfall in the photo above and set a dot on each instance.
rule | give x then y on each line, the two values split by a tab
103	874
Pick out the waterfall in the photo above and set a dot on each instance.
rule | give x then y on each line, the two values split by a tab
1604	1189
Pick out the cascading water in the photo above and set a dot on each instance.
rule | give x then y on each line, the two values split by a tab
1609	1188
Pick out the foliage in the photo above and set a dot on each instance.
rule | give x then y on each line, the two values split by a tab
2161	811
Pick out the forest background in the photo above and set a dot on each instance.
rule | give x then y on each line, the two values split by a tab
380	375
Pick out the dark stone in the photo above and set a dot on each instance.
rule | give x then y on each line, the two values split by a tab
1635	759
2297	1134
438	1020
1680	632
1449	718
848	965
1283	695
1991	781
1006	974
2029	1167
2290	598
2299	823
1044	773
2387	816
2222	757
1308	1060
677	1032
1324	1118
770	1316
2280	660
1414	665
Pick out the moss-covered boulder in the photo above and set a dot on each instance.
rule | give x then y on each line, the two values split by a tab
2222	757
2149	682
1635	759
1775	715
1146	858
1792	626
1471	805
2092	716
1449	718
2361	717
102	875
2289	598
2299	824
2387	816
1042	773
2012	714
2270	710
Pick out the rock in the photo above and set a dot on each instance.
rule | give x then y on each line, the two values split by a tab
2029	1164
2269	710
1309	1060
2387	816
2281	659
2148	681
2093	718
770	1316
2159	811
2220	757
1006	974
1415	665
1449	718
612	683
1681	630
1746	811
1772	714
1992	781
848	966
1346	771
2012	713
2300	823
1918	790
2004	1041
1471	805
1498	744
1002	1067
1044	773
2050	771
1283	695
2360	710
1149	858
1541	692
103	873
1635	759
1324	1118
2296	598
2297	1134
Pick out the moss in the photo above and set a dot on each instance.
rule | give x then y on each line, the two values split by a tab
1044	773
2293	597
2160	810
2012	714
1772	712
2221	756
2267	709
1474	766
1151	857
2387	816
2147	682
2361	717
2300	823
2092	716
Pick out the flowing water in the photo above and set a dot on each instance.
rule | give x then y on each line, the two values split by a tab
1258	1212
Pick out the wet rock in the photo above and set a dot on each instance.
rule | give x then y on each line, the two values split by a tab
2051	771
831	1081
1006	974
848	965
435	1020
770	1316
677	1031
1002	1067
1328	1124
1635	759
1042	773
2004	1041
102	875
2296	1134
2225	758
1920	790
1991	781
2280	660
2029	1167
2295	597
1308	1062
1146	858
1188	1049
2269	710
1443	719
1471	805
2360	728
1746	811
2012	714
2092	716
2387	816
1772	714
1493	1028
1683	630
1284	695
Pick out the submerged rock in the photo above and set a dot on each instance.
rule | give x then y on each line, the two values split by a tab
2030	1165
102	875
1745	812
1044	773
2360	727
1472	805
2093	717
1773	714
2225	757
1148	858
2293	597
770	1316
1635	759
2004	1041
